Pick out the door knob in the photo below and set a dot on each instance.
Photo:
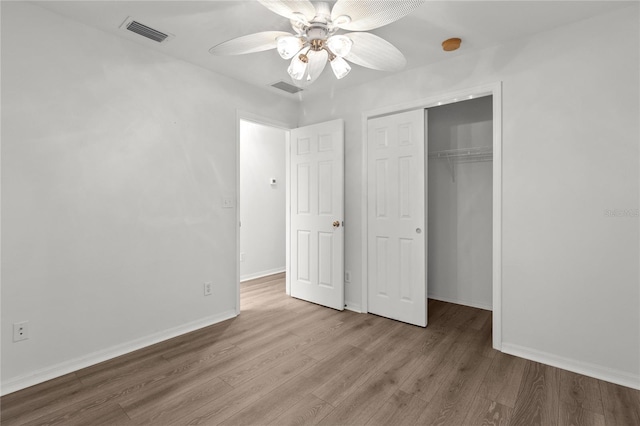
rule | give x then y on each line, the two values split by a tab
336	224
418	230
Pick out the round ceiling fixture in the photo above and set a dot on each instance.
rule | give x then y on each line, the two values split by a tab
451	44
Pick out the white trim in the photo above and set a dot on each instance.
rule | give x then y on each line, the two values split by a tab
287	223
66	367
495	90
364	224
618	377
266	121
238	224
437	100
461	302
261	274
497	216
255	118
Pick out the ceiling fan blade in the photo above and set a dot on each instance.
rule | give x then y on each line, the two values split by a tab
291	9
317	62
365	15
369	50
248	44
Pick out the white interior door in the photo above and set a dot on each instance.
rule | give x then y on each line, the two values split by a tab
397	228
317	214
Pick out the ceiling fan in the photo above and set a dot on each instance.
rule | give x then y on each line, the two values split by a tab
315	40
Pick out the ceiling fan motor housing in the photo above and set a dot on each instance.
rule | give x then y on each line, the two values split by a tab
316	35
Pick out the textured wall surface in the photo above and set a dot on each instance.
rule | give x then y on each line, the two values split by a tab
115	161
570	132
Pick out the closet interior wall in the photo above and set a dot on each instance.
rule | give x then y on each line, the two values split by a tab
460	202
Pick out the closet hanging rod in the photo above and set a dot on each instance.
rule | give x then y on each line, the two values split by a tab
463	155
475	152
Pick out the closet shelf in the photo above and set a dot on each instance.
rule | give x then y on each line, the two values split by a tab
463	155
484	153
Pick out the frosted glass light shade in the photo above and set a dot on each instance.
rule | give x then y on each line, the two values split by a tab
340	67
317	61
339	45
288	46
298	67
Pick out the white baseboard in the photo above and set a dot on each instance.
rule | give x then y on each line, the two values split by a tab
66	367
461	302
261	274
592	370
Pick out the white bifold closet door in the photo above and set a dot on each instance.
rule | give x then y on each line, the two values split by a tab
317	214
396	214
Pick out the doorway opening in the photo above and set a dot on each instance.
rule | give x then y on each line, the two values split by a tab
459	194
262	198
308	242
495	91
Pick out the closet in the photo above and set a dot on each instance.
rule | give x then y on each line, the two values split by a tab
460	202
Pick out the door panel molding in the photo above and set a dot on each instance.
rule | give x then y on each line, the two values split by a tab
316	251
397	214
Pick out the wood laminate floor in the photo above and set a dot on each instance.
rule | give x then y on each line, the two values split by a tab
284	361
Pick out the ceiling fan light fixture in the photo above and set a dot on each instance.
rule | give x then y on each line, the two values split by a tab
317	62
288	46
298	66
340	45
340	67
314	41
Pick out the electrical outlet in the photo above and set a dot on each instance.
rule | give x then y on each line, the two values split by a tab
241	257
347	276
208	288
20	331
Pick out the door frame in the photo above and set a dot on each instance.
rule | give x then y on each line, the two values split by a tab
494	90
266	121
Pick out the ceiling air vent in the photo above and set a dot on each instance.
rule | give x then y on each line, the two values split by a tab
289	88
145	31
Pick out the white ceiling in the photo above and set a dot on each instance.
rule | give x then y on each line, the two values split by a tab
199	25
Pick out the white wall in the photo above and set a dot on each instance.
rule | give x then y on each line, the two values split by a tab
262	205
570	293
111	215
115	160
460	205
